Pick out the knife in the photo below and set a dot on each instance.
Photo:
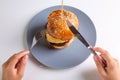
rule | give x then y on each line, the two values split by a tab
38	35
82	39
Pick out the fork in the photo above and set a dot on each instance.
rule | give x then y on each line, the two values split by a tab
38	35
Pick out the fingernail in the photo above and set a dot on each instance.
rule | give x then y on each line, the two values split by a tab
25	57
27	51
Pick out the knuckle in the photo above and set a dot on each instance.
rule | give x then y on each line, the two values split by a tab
113	65
23	63
102	73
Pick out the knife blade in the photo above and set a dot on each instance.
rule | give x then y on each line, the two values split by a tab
82	39
79	36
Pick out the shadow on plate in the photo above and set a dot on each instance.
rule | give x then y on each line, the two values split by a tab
37	63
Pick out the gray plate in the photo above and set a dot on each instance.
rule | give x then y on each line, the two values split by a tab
68	57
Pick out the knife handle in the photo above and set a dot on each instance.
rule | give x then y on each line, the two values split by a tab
104	63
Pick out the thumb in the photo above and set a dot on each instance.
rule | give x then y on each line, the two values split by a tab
98	63
22	65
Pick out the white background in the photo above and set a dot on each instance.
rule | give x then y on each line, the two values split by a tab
16	14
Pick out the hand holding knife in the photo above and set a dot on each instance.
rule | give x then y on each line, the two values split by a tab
81	38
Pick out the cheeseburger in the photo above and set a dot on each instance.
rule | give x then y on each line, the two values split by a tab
58	33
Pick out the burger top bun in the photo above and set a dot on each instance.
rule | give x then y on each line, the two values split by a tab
57	26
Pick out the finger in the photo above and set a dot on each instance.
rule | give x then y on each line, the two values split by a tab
116	62
22	64
99	65
105	54
15	58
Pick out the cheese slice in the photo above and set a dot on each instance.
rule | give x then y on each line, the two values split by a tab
53	40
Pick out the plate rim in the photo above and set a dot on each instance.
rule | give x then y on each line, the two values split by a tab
56	9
